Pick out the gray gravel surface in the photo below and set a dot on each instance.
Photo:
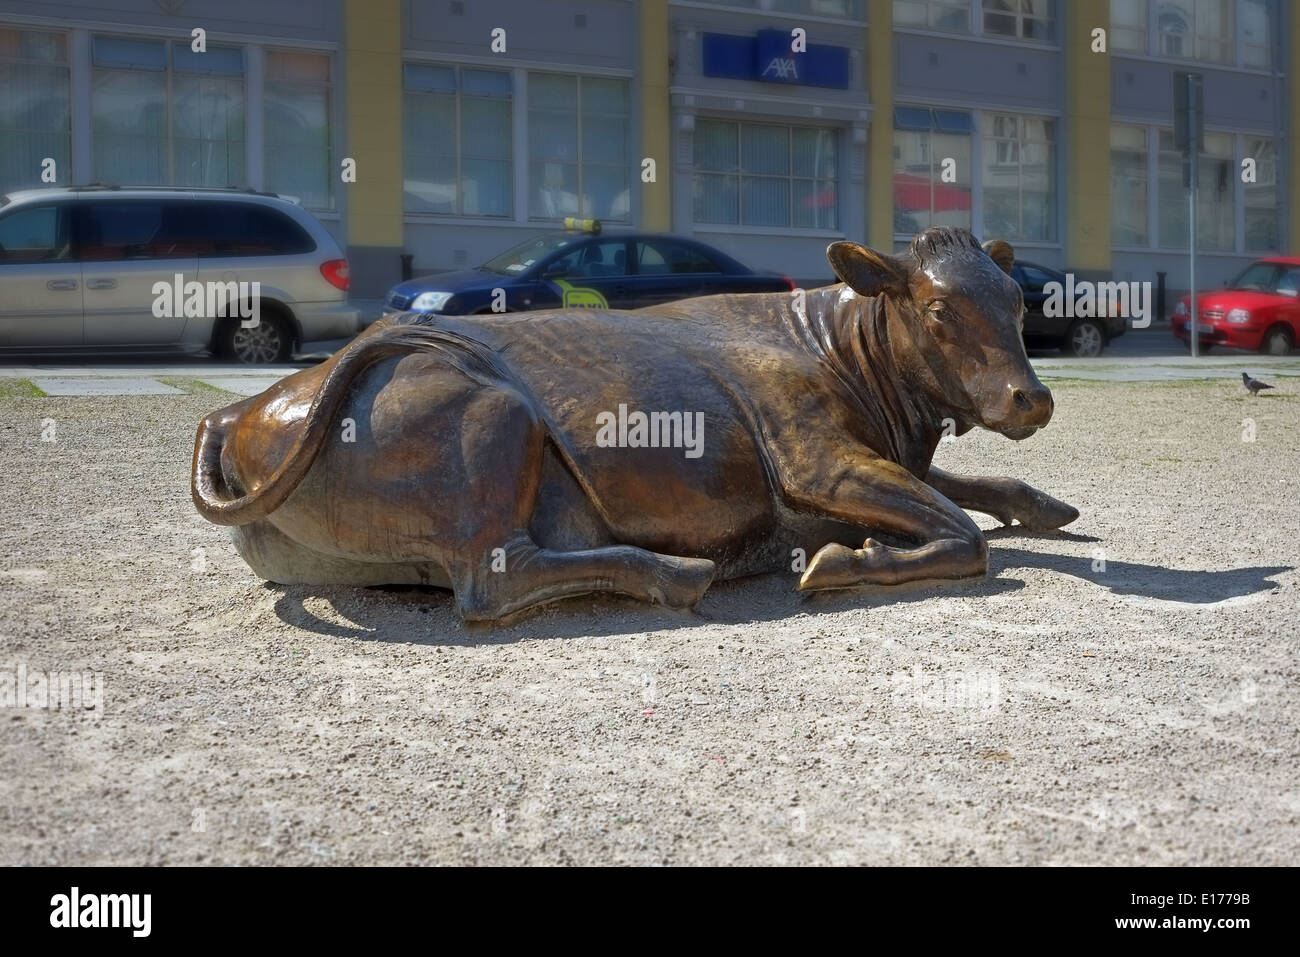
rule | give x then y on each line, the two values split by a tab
1123	694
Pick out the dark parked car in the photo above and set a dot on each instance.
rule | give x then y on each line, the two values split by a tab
584	268
1077	336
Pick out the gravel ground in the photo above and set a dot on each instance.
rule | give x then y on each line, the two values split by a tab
1124	694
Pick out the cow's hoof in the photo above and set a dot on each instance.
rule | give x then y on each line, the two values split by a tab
683	582
1046	514
838	566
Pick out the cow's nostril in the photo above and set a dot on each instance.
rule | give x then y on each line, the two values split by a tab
1022	401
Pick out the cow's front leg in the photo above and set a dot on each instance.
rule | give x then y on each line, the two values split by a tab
884	498
1006	499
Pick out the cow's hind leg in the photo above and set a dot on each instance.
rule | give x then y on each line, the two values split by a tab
523	574
496	568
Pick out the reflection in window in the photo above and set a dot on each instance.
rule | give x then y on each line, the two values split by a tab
578	155
458	141
34	234
924	140
35	115
164	115
1196	29
1260	197
297	121
1214	213
1021	19
758	174
1020	177
1128	185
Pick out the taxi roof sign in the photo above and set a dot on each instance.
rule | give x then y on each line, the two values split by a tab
585	225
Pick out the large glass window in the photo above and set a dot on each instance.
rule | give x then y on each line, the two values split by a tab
162	114
1128	185
457	141
1215	220
33	234
578	155
759	174
1022	19
34	107
927	145
296	117
1128	25
951	16
1256	46
1196	29
1019	177
1261	209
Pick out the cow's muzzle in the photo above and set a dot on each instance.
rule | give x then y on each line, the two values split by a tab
1028	409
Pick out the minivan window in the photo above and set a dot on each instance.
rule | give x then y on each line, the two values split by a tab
245	229
132	229
34	234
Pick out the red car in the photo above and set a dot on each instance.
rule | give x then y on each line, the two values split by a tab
1260	309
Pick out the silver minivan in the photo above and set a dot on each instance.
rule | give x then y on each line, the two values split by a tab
102	270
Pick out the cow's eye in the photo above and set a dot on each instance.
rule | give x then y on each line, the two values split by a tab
942	311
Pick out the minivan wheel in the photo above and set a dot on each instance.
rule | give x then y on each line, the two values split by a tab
1277	342
1085	339
268	341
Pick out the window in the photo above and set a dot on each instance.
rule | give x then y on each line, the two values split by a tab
849	9
1196	29
658	257
1035	278
128	230
1021	19
222	229
1288	282
1260	197
34	234
952	16
1128	185
1128	25
1255	42
1214	209
34	107
755	174
162	114
928	189
296	118
595	260
1020	177
578	147
457	135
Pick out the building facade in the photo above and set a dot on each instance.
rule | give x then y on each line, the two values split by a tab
448	130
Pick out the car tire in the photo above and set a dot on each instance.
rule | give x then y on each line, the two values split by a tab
268	341
1085	339
1277	341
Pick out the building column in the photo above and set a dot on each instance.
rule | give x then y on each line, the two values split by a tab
1086	229
656	132
880	137
372	90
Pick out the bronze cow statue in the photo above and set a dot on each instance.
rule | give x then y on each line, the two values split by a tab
496	456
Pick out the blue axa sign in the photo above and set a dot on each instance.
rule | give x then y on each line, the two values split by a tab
767	57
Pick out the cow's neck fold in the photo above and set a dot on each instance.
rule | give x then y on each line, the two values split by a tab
850	334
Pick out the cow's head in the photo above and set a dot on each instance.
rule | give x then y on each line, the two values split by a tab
955	326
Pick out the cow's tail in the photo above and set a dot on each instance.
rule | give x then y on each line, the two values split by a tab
208	485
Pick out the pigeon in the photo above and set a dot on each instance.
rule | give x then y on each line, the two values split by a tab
1254	385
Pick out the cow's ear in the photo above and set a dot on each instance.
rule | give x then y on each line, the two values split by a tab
867	272
1002	253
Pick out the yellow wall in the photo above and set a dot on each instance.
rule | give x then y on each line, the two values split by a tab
656	132
373	97
880	137
1087	139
